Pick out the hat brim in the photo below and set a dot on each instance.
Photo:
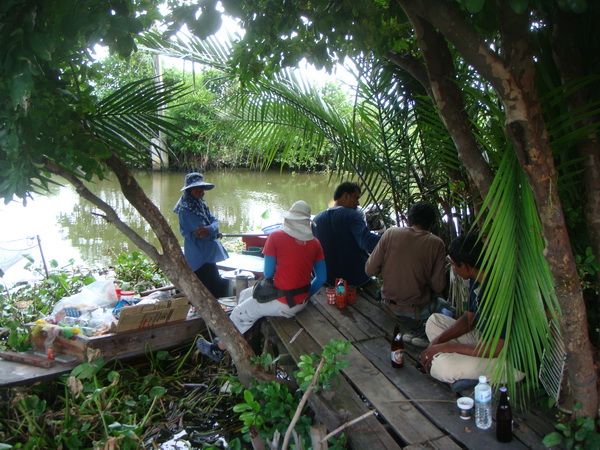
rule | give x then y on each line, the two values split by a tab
205	185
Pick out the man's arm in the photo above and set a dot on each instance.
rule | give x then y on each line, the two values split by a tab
320	276
375	261
364	237
443	344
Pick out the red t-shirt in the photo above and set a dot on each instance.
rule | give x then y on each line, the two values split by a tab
295	261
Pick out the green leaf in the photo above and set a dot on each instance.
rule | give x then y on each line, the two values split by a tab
241	407
552	439
474	6
519	6
157	391
248	397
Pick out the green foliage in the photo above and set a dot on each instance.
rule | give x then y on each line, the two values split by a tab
237	112
136	272
588	266
114	72
46	92
104	404
270	407
574	432
334	365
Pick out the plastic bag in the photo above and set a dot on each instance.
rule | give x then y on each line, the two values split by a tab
99	294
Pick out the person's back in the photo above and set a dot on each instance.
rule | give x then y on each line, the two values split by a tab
344	236
412	265
411	261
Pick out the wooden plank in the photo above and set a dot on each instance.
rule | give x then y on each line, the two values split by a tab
118	345
15	373
25	358
530	427
404	418
434	399
361	321
442	443
333	408
347	319
138	342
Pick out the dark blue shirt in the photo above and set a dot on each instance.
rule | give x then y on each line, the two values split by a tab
346	243
475	306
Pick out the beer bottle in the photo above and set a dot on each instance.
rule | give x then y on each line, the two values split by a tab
397	353
503	418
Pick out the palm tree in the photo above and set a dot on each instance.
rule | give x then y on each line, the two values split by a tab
396	144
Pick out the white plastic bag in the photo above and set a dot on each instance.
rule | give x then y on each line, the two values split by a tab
99	294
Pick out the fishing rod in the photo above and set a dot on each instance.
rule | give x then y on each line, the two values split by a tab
244	235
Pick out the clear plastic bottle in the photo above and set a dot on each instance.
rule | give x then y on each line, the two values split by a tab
483	404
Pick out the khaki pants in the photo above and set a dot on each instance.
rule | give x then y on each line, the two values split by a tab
451	367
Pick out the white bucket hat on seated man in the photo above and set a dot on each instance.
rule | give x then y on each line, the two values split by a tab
196	179
296	221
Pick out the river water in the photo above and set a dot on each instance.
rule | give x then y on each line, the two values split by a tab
69	227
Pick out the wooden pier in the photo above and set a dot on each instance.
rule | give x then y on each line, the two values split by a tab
413	410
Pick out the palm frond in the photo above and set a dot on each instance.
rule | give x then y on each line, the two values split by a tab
131	117
519	286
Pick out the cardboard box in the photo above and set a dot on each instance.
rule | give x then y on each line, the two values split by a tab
144	316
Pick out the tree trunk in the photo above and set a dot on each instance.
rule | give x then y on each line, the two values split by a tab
171	261
446	95
571	67
514	82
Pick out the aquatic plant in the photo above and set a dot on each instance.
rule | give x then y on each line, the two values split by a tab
271	408
111	404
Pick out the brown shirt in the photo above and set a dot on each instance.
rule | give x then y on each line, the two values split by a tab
412	264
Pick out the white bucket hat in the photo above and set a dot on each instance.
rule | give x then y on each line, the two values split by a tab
296	221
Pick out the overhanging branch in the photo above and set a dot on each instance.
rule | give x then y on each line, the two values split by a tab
110	215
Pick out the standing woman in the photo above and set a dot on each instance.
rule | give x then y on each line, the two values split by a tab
200	231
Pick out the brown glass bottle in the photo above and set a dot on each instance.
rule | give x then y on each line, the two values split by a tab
397	353
503	418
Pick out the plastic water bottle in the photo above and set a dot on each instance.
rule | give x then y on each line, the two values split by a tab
483	404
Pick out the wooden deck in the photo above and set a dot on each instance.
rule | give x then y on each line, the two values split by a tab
414	411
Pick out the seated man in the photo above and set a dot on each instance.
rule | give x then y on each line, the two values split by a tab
345	237
456	351
292	254
411	261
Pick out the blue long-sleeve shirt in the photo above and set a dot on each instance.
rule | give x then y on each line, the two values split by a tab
346	242
199	251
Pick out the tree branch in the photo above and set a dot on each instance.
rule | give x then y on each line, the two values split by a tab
468	43
303	400
111	216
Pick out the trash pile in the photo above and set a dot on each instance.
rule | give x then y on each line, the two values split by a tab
94	311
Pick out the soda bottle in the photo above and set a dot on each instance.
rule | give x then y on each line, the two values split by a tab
340	289
340	294
503	418
397	353
483	404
